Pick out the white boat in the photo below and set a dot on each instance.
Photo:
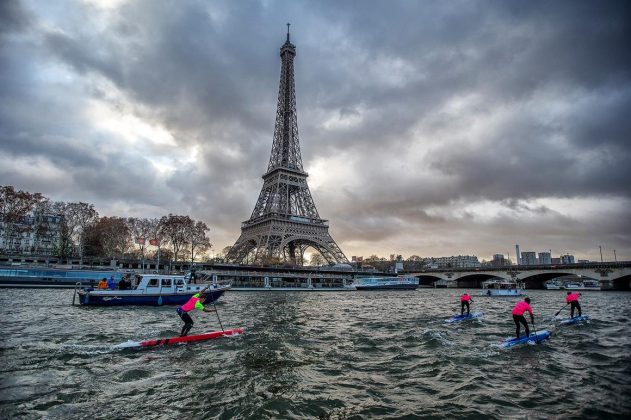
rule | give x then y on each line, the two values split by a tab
574	285
591	285
553	285
501	287
386	283
152	290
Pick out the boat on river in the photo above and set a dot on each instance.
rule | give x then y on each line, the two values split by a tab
152	290
47	277
583	285
553	285
591	285
386	283
501	287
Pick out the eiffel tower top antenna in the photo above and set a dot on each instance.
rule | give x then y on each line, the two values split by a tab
288	31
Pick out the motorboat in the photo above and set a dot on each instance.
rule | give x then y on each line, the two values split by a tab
501	287
152	290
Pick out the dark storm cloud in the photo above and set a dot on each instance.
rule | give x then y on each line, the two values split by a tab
13	17
419	105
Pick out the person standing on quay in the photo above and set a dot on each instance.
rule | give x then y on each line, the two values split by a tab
572	300
518	316
465	299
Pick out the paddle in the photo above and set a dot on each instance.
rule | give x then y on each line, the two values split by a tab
534	328
559	311
217	312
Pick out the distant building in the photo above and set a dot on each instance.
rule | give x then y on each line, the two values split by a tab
460	261
545	258
583	261
567	259
499	260
555	260
35	234
529	258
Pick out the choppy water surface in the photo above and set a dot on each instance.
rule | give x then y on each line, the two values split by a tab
314	355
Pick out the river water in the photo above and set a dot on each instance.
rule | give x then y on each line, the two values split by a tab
314	355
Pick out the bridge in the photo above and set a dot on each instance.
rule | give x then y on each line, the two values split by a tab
610	275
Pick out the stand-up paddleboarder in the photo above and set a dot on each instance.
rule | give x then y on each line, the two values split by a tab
194	302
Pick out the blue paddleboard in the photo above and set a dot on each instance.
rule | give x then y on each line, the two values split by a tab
458	318
537	338
574	320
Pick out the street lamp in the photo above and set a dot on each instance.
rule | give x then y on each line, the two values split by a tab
614	256
601	253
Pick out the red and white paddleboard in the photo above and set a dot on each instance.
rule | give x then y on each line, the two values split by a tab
178	340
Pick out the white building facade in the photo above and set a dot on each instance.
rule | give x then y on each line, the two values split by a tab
36	234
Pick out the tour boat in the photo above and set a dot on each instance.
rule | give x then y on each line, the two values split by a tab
386	283
553	285
151	289
46	277
501	287
591	285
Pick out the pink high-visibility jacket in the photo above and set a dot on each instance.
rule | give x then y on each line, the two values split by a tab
193	303
573	297
522	307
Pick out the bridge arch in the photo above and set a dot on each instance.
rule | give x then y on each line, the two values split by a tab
622	283
425	280
475	280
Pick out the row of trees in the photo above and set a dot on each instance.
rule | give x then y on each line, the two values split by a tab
76	229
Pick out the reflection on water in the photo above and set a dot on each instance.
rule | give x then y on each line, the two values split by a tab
311	354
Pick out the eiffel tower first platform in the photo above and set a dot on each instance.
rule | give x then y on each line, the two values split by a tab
285	221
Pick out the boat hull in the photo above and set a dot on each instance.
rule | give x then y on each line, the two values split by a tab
389	287
98	298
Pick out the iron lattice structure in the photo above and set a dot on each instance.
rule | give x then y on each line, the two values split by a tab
285	221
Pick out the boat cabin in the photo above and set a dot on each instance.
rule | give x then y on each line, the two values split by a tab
164	283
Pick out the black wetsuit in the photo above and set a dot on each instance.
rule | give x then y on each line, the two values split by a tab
188	321
520	319
464	303
575	304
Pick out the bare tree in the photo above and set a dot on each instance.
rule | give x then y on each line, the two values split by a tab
64	246
198	242
115	236
317	259
175	228
140	229
81	216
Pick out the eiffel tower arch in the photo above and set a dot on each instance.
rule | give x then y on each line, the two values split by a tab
285	221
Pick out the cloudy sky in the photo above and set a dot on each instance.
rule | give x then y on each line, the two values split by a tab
428	128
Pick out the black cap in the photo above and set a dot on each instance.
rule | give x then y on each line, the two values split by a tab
527	300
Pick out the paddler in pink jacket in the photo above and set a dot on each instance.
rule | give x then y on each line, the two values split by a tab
465	299
572	299
518	315
194	302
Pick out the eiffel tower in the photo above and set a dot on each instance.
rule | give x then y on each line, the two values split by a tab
285	221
